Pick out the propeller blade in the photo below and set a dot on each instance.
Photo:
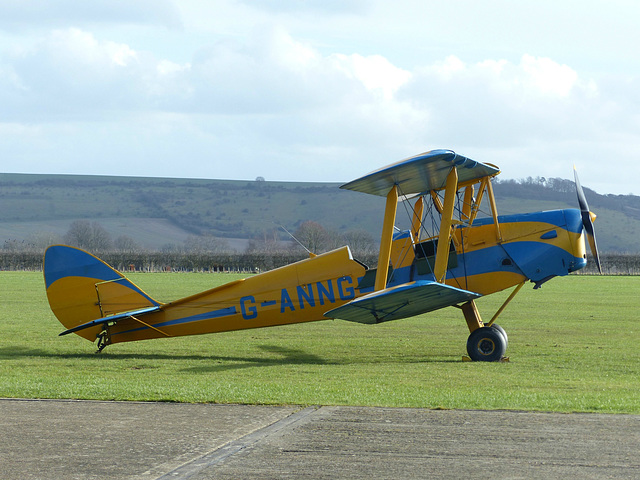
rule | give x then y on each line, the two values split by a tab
587	220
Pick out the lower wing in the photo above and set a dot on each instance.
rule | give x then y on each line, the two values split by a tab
401	301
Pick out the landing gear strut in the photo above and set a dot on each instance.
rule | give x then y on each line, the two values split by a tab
488	341
104	338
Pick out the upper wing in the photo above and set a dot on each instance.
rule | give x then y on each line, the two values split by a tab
401	301
421	173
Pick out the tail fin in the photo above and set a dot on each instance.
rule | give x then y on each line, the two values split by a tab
81	288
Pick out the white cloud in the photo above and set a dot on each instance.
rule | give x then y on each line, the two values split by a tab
450	67
283	50
499	102
533	77
375	72
81	51
328	7
32	14
548	77
70	72
272	85
167	67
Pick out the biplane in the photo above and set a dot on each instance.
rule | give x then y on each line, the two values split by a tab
456	250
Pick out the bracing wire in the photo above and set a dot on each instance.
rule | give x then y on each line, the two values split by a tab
430	225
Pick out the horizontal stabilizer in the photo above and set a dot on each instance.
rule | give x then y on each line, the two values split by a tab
401	302
111	319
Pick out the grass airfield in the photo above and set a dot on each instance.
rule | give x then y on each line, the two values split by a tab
573	346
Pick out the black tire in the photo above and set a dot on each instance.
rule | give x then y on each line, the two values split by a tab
486	344
504	334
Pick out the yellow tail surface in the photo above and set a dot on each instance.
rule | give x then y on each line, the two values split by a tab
81	288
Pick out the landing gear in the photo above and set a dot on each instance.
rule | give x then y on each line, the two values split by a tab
504	334
488	341
104	338
486	344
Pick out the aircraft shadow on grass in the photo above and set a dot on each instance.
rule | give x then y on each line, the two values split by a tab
287	356
216	363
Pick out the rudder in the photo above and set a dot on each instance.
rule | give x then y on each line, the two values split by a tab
81	288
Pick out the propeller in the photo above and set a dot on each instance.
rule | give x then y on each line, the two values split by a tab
587	220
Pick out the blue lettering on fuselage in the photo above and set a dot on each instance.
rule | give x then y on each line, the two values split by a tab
305	292
248	312
309	295
325	292
346	293
285	301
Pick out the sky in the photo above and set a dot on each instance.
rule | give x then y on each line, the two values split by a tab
320	90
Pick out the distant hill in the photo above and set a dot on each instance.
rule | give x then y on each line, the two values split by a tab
618	216
159	211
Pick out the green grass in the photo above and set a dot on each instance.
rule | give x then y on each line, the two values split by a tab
573	347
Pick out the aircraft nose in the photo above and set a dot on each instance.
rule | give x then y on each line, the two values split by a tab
575	239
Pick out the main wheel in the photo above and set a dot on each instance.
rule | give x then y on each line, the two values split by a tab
504	334
486	344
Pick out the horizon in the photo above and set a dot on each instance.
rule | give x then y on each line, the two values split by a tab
498	178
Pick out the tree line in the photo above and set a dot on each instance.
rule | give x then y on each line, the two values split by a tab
195	253
208	253
176	261
612	263
93	237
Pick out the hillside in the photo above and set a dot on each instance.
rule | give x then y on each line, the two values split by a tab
156	212
618	216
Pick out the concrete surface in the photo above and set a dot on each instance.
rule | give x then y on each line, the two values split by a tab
50	439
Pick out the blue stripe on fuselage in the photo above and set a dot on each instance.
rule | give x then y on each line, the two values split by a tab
223	312
569	219
539	260
535	260
478	262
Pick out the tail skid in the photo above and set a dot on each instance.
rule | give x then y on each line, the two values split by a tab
84	291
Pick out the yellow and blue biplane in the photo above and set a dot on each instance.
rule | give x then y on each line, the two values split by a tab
457	249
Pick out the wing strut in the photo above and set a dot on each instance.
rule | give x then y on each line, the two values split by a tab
149	326
494	211
442	254
506	302
467	203
386	238
416	223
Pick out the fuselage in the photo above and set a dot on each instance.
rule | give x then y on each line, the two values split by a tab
487	258
484	258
